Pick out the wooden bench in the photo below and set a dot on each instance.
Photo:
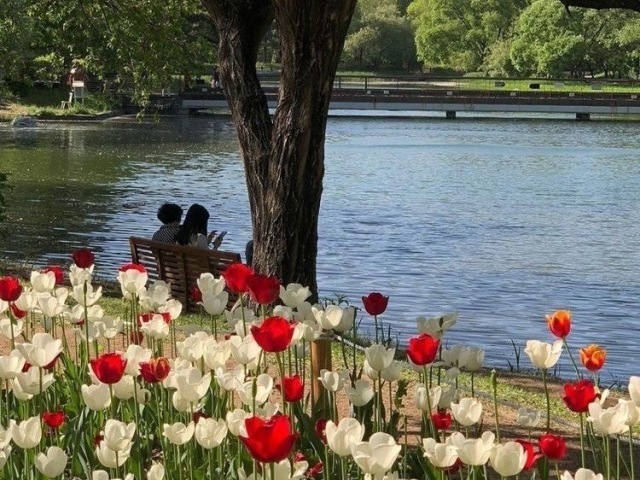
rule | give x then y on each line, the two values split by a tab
180	266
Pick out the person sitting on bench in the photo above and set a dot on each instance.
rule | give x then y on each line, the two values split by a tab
170	215
194	229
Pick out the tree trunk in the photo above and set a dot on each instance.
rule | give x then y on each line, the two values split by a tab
283	158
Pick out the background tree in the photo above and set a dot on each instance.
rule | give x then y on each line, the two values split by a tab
460	34
550	42
380	37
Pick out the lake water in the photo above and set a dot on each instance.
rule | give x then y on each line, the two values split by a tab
501	220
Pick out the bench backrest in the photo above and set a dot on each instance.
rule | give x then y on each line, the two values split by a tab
180	266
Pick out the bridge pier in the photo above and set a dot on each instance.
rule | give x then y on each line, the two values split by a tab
451	114
583	117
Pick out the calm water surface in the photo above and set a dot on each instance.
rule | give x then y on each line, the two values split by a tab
501	220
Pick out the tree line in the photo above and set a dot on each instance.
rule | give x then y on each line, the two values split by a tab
148	41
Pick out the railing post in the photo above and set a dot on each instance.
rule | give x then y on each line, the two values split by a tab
366	84
320	359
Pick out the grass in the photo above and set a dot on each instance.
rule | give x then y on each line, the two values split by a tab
46	103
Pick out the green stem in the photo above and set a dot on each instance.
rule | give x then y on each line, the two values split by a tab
575	365
582	440
546	394
631	458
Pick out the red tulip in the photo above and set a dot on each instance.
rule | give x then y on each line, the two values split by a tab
53	419
195	293
441	419
136	337
532	456
423	350
320	428
315	471
293	390
83	258
593	357
196	416
560	323
17	312
269	440
264	289
274	335
552	446
155	371
235	276
10	289
133	266
57	271
578	396
375	303
109	367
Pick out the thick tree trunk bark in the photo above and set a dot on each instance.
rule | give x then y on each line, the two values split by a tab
283	158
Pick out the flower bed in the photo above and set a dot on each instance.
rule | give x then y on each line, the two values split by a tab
132	399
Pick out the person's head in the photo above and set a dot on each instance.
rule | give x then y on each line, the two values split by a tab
170	213
194	222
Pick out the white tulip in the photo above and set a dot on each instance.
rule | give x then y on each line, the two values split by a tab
328	318
236	422
467	412
377	456
244	350
78	276
118	435
361	394
27	301
34	381
370	372
393	372
50	305
132	281
508	459
156	328
11	365
43	282
192	348
379	357
173	307
528	417
155	296
543	355
474	451
96	397
340	437
609	421
422	402
216	353
156	472
91	296
183	405
6	328
332	381
294	294
111	458
26	434
582	474
634	389
210	433
441	455
347	320
192	385
207	283
436	326
4	456
135	355
42	350
230	381
215	304
53	463
5	437
263	388
179	433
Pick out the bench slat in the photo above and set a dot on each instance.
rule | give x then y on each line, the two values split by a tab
180	266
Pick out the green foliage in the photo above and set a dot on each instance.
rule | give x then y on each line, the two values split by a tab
460	34
550	41
380	37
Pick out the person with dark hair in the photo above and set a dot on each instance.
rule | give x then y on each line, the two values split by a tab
193	231
170	215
